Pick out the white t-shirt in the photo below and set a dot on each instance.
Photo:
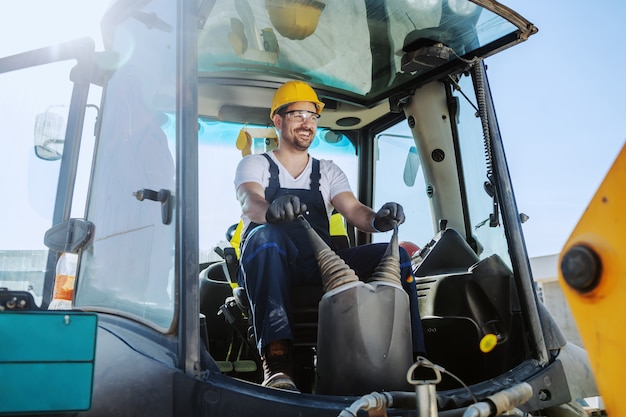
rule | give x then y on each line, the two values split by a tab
256	168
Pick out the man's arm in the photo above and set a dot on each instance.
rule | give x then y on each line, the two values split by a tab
251	196
366	219
355	212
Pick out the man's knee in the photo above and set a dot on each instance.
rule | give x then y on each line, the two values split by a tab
265	233
263	238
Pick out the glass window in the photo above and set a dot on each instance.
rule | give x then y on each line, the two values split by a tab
491	239
398	177
353	46
33	112
129	265
218	155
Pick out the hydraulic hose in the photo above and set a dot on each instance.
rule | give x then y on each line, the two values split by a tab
502	401
380	401
373	401
494	405
396	399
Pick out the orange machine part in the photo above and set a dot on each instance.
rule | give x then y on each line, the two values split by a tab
592	275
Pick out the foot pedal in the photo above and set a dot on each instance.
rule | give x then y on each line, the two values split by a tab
225	366
245	366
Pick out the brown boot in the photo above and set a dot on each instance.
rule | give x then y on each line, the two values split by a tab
277	365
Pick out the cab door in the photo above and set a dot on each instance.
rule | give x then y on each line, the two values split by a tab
142	263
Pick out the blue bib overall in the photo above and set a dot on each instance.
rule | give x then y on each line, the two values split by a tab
275	257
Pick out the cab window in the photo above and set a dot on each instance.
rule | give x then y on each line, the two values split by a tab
220	149
398	177
132	190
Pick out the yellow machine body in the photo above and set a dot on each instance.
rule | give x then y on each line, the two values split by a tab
595	287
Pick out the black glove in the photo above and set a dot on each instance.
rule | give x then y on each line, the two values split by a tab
387	216
284	208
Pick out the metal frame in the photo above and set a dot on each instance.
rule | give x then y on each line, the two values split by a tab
187	246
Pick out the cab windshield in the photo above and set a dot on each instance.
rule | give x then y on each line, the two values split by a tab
353	46
221	145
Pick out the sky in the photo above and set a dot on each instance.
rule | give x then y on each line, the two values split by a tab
560	104
558	96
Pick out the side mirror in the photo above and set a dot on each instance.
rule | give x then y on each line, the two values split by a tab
69	236
411	166
49	135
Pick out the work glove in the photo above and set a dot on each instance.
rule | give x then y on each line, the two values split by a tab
284	208
388	215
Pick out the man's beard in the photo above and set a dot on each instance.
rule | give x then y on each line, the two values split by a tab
301	144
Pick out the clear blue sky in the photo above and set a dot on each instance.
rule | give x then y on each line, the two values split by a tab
559	98
560	104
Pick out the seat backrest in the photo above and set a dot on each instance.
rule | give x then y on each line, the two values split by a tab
339	242
214	289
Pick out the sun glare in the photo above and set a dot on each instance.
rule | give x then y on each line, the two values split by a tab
31	24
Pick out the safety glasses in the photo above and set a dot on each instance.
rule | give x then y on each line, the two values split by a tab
302	116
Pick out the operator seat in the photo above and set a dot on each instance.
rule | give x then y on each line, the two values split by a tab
225	306
304	312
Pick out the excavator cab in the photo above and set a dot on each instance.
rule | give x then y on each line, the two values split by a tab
125	160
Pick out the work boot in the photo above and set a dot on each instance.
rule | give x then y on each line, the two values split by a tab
277	365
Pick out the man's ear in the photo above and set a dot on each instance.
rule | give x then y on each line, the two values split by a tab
278	120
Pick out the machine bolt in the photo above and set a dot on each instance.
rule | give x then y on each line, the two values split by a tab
581	268
438	155
544	395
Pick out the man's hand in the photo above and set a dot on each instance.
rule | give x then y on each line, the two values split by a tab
387	216
284	208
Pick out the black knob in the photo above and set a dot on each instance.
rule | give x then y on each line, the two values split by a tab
581	268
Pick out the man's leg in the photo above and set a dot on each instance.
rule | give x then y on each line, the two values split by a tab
265	272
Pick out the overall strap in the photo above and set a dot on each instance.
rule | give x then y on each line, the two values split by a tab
315	175
274	183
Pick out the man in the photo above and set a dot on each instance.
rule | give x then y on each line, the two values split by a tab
273	189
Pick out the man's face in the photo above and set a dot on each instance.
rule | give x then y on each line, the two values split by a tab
296	132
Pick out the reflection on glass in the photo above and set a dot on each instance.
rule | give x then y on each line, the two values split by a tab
129	266
402	183
50	133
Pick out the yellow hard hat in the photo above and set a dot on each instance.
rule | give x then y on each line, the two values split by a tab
293	91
